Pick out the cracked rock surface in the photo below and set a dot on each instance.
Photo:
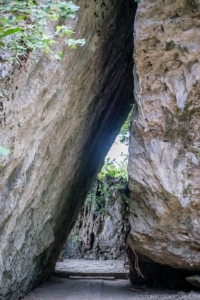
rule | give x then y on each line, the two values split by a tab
102	226
59	119
164	163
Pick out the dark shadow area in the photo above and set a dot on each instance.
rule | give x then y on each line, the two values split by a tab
113	96
156	275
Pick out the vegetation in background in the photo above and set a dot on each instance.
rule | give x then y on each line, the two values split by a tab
103	192
124	132
112	176
197	152
25	26
111	167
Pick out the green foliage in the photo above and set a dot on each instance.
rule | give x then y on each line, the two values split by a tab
113	169
25	26
4	151
124	132
197	152
125	198
103	195
99	205
76	238
96	197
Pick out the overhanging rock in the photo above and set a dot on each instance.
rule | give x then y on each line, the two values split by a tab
59	118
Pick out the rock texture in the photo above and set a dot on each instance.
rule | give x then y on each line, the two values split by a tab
164	164
144	271
59	118
194	280
102	226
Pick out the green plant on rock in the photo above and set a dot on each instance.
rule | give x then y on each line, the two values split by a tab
28	25
113	176
124	132
76	238
125	198
99	200
4	151
112	168
197	152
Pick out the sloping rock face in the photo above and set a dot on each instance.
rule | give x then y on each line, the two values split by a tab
164	164
102	226
59	118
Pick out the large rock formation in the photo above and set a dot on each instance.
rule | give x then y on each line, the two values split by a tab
102	226
164	164
59	118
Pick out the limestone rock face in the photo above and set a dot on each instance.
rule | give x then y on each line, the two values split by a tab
59	119
102	226
164	164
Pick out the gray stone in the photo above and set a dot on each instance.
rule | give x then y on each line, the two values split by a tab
102	226
64	289
164	161
194	280
59	119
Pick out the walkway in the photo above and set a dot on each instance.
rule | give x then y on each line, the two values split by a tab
94	288
71	289
71	268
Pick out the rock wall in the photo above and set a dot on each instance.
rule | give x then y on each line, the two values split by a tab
102	226
59	118
164	164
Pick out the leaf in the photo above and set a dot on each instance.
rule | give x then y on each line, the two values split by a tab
20	18
58	56
72	6
32	18
4	151
59	28
11	31
69	32
2	45
3	20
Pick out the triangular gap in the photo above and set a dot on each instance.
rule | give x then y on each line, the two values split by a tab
97	241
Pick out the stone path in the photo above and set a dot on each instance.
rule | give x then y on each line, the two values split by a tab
80	267
70	289
58	288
